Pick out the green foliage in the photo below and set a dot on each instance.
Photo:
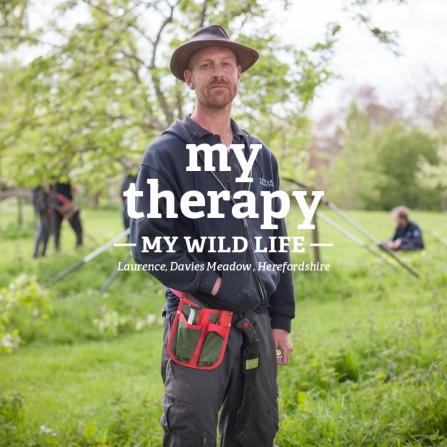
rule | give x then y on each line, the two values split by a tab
433	176
135	423
378	390
379	168
23	300
129	426
353	175
96	99
101	90
398	152
111	323
14	24
11	231
9	100
76	302
11	417
368	366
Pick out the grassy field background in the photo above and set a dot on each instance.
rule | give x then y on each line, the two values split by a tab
368	367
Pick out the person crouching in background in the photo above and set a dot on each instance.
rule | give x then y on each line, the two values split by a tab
408	235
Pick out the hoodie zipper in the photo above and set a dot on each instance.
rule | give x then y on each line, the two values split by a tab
250	248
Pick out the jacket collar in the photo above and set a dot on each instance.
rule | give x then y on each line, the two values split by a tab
199	132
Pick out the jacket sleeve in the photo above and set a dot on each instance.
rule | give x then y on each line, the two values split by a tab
157	229
282	301
394	237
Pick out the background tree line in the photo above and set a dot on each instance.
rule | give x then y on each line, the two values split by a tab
94	89
375	156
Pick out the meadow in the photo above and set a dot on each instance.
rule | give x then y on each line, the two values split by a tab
368	367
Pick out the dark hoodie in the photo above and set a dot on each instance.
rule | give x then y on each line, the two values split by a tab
411	237
260	289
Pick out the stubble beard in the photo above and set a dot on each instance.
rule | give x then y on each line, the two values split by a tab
208	99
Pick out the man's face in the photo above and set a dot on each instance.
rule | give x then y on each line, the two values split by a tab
399	221
214	74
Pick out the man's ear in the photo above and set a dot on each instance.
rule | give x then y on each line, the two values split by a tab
188	79
239	73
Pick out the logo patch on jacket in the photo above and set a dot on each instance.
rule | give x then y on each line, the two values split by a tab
266	183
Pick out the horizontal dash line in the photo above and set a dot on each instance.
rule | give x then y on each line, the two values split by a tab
321	245
124	245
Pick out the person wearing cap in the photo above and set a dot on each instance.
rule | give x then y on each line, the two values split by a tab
408	235
211	65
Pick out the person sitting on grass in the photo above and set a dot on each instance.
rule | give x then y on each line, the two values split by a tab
408	235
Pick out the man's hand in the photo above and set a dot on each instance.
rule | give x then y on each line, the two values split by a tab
394	245
397	244
283	344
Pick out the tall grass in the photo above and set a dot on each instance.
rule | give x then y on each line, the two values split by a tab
368	367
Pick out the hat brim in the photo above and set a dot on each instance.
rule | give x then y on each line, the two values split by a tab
246	56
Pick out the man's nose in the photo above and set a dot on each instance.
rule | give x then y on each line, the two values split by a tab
218	71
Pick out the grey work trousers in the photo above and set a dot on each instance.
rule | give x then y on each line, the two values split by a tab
194	397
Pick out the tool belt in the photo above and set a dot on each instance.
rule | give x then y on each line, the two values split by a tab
199	335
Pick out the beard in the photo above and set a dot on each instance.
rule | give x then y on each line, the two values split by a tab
217	99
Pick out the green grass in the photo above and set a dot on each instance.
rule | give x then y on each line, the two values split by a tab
368	367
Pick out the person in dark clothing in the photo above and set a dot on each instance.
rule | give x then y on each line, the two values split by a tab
408	235
64	207
198	401
41	197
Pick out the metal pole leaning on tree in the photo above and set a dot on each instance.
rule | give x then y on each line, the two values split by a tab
114	275
86	259
357	227
354	238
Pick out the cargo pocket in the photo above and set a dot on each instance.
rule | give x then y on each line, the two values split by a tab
180	415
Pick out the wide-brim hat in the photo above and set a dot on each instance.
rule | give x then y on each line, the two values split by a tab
210	36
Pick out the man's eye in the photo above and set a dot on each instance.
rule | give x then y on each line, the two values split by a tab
205	65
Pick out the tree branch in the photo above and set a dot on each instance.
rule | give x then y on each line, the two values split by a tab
25	39
157	40
155	78
161	98
202	16
130	24
180	101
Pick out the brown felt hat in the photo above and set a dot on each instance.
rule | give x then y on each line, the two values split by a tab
210	36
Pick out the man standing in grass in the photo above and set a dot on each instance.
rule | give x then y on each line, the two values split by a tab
238	376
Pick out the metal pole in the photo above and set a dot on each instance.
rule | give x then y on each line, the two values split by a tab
358	228
371	238
354	238
86	259
114	275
